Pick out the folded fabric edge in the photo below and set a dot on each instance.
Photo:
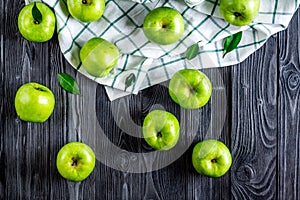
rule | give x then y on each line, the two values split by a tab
114	94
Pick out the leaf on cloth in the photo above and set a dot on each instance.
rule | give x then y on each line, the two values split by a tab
68	83
130	79
36	14
192	51
231	42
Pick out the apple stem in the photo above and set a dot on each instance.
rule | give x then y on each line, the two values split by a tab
192	90
237	14
213	160
84	1
75	162
159	134
37	88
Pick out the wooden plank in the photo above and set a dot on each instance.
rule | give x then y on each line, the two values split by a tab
25	150
59	130
199	186
2	116
107	126
29	148
289	111
254	125
167	182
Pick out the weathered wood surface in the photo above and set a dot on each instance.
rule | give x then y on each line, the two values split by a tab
261	127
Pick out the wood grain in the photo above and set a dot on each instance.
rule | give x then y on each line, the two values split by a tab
261	127
288	115
254	125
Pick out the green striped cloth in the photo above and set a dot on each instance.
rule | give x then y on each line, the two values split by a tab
122	22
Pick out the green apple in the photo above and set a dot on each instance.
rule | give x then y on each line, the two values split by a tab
190	88
99	56
161	129
86	10
211	158
40	30
34	102
75	161
239	12
163	25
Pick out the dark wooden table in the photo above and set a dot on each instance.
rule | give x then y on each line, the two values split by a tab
261	127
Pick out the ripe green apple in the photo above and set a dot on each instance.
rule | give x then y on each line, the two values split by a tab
239	12
99	56
86	10
161	129
34	102
190	88
75	161
31	29
163	25
211	158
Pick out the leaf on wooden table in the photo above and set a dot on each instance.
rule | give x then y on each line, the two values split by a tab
231	42
68	83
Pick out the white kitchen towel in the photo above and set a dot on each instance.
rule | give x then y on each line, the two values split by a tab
151	64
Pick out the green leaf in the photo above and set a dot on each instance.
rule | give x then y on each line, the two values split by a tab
130	79
68	83
192	51
231	42
36	14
